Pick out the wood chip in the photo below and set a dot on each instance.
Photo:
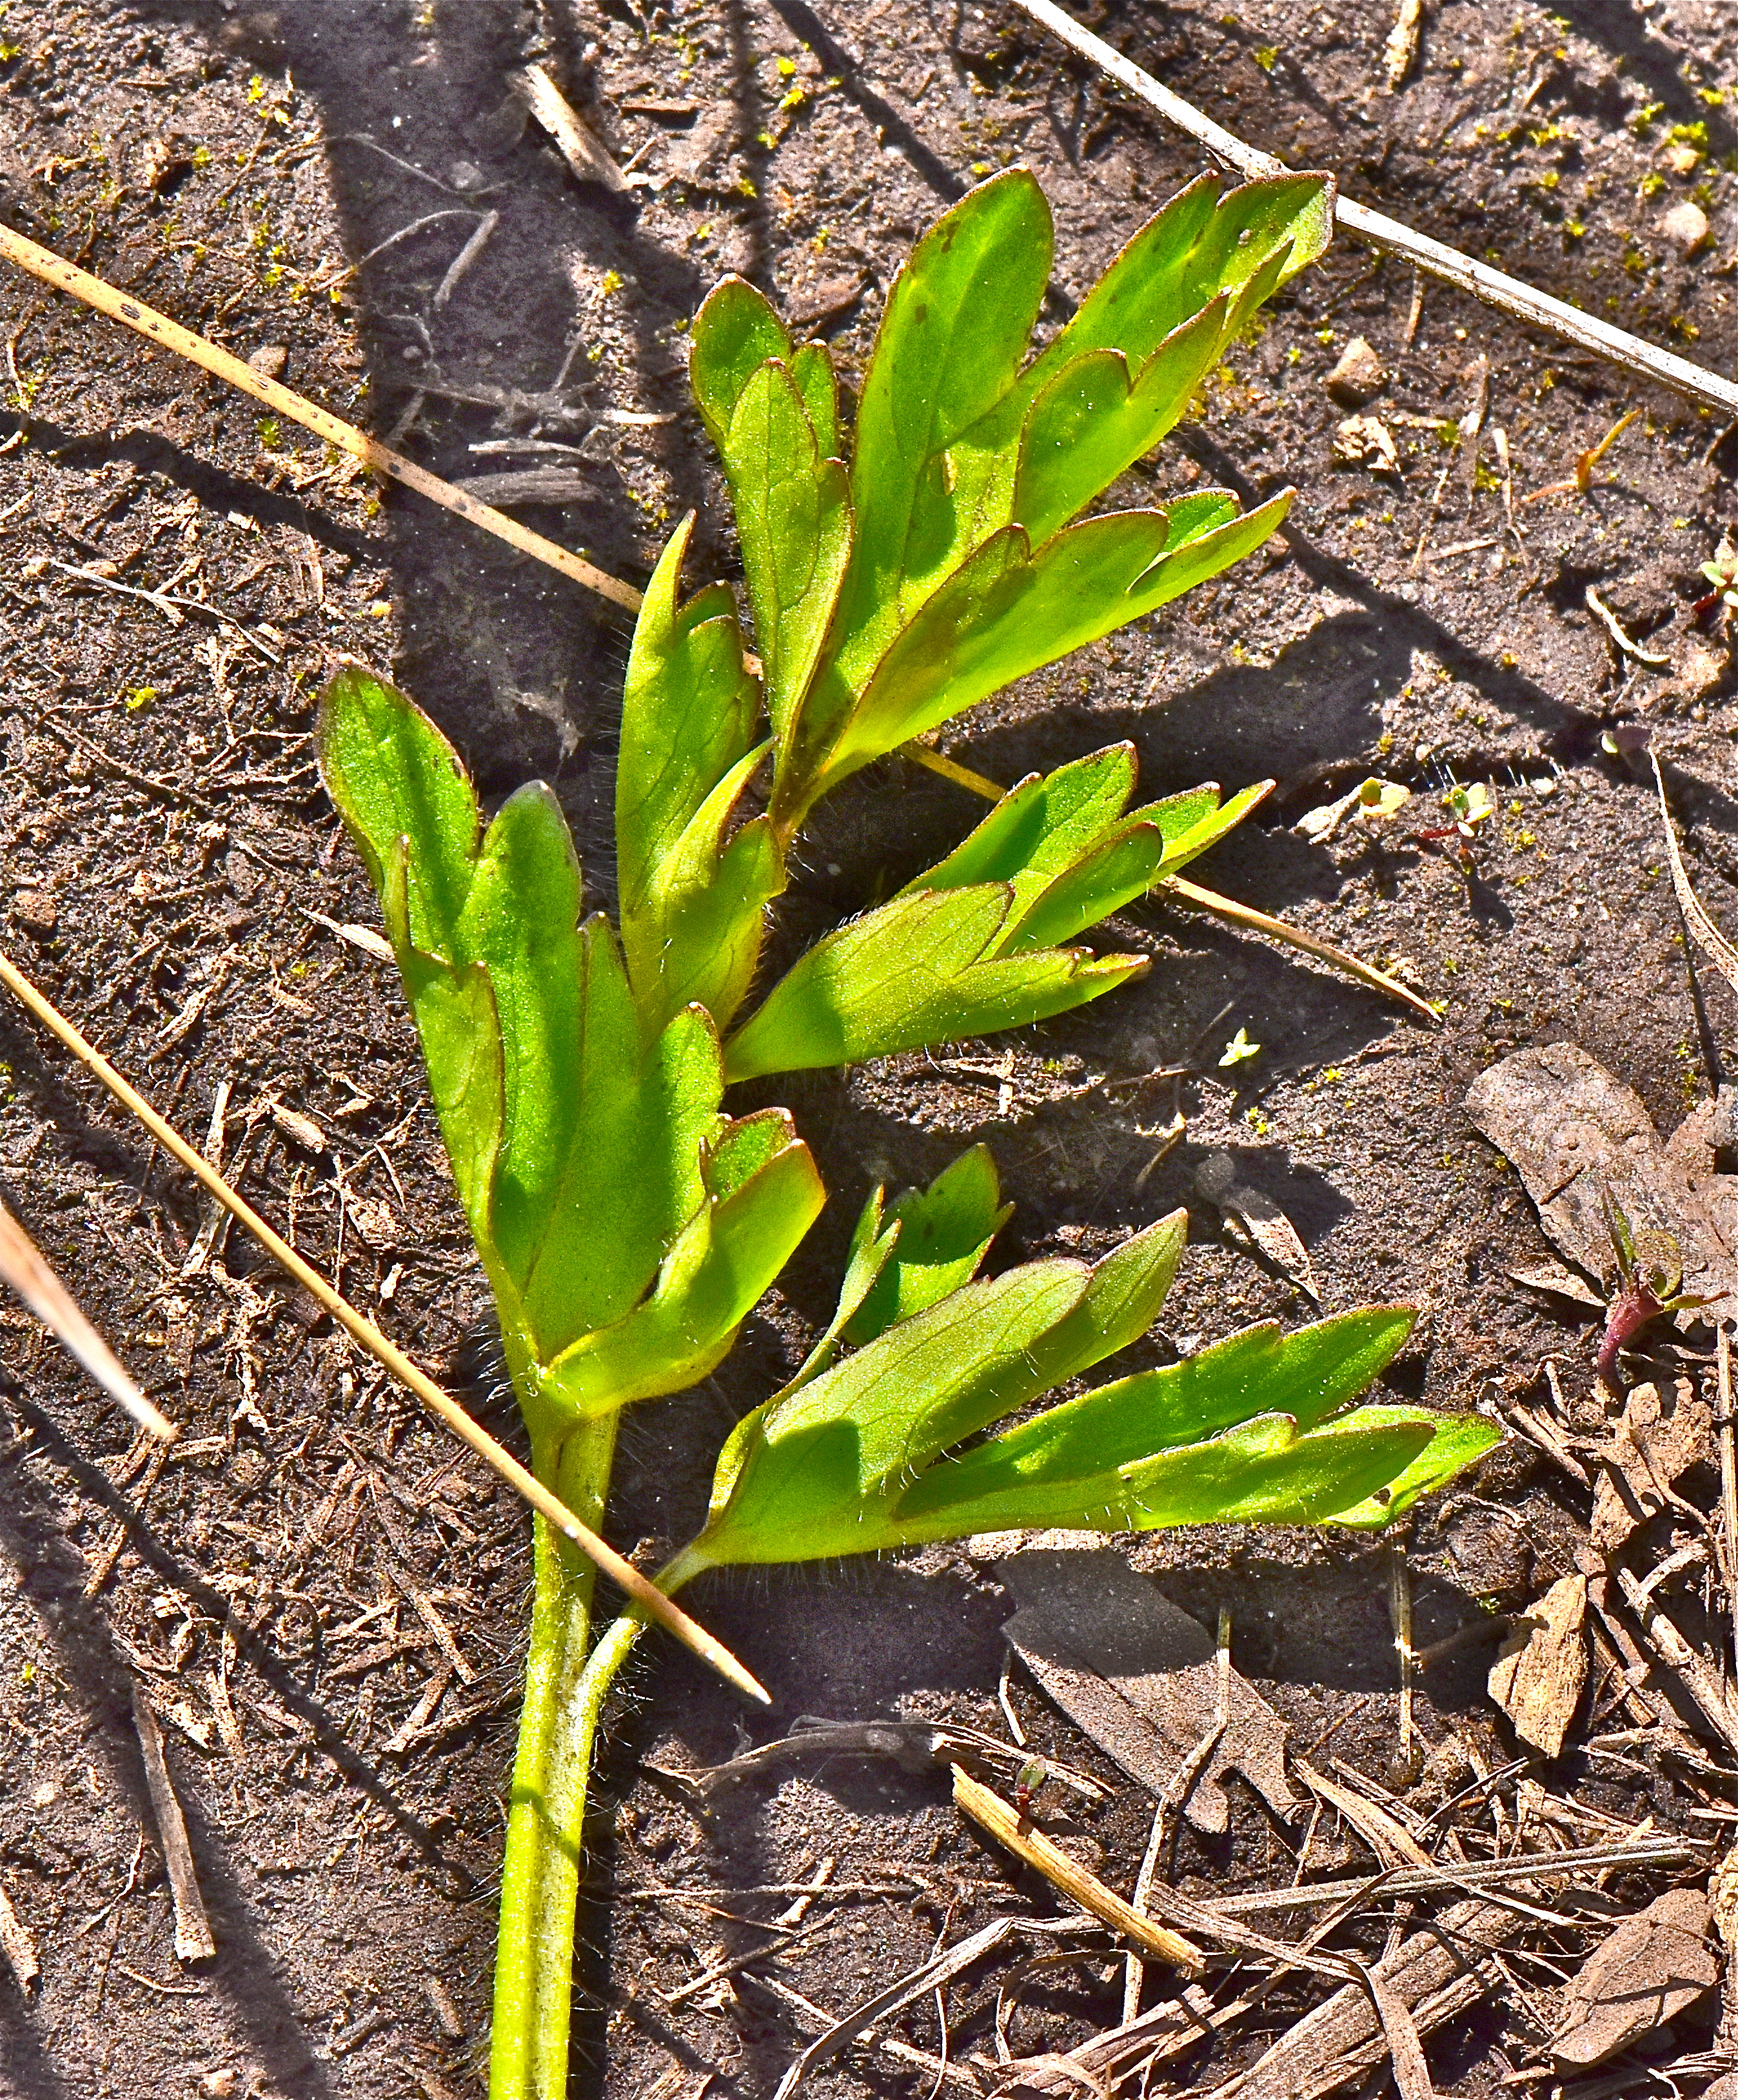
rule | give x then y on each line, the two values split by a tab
1651	1968
193	1940
1258	1221
531	484
1364	441
1401	52
1538	1678
1141	1678
1359	376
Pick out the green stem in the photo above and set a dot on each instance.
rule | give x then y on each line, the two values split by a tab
539	1885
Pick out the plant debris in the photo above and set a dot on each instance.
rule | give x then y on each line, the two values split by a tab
1539	1676
1142	1679
1582	1140
1652	1967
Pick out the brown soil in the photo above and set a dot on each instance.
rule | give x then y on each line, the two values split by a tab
167	848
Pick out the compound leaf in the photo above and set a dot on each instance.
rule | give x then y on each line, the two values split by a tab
1095	417
1457	1441
1008	610
1259	1372
1198	245
908	975
945	1232
813	1471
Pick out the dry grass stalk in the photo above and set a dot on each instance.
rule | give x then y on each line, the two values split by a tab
22	1267
992	1813
159	328
1494	288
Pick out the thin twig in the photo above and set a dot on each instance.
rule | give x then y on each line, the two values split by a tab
1399	1607
992	1813
942	1969
368	1336
1507	294
159	328
1170	1803
1729	1480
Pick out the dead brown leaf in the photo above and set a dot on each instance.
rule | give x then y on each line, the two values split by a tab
1258	1221
1574	1134
1141	1678
1655	1444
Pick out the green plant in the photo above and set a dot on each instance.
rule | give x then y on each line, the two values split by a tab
626	1224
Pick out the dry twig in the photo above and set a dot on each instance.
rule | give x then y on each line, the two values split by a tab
159	328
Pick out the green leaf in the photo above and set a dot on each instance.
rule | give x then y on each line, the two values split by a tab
1095	417
945	1232
909	976
1194	248
393	775
624	1175
1040	828
1204	511
1080	1446
694	935
950	342
734	333
872	1245
1008	611
793	519
812	369
1121	1300
814	1471
717	1271
1129	862
1458	1439
460	1033
689	712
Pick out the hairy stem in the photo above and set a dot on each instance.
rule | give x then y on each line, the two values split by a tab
539	1885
